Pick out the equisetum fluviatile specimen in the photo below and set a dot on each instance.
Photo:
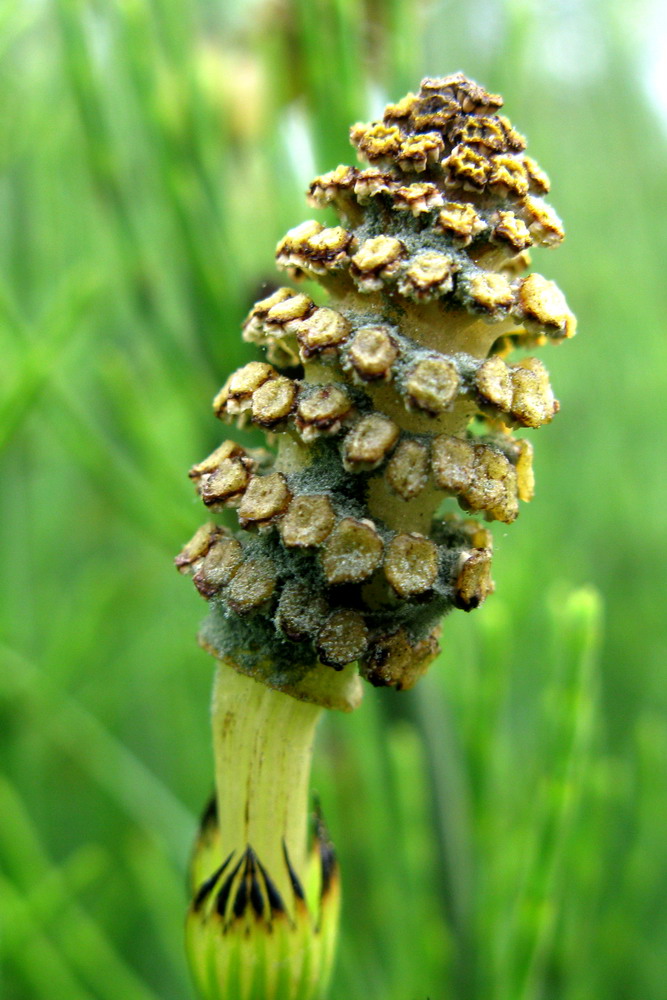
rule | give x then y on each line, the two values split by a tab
389	406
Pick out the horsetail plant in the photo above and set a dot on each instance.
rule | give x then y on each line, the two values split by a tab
388	403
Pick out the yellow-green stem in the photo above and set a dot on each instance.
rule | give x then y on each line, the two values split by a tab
263	743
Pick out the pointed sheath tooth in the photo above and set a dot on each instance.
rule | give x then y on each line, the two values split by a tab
327	855
295	881
224	890
207	861
250	943
206	887
275	900
240	899
256	898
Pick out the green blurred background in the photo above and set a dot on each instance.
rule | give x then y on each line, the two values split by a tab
511	840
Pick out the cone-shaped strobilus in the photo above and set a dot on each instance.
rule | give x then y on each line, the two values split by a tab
390	405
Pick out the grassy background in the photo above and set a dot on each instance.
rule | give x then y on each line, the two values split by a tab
511	845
